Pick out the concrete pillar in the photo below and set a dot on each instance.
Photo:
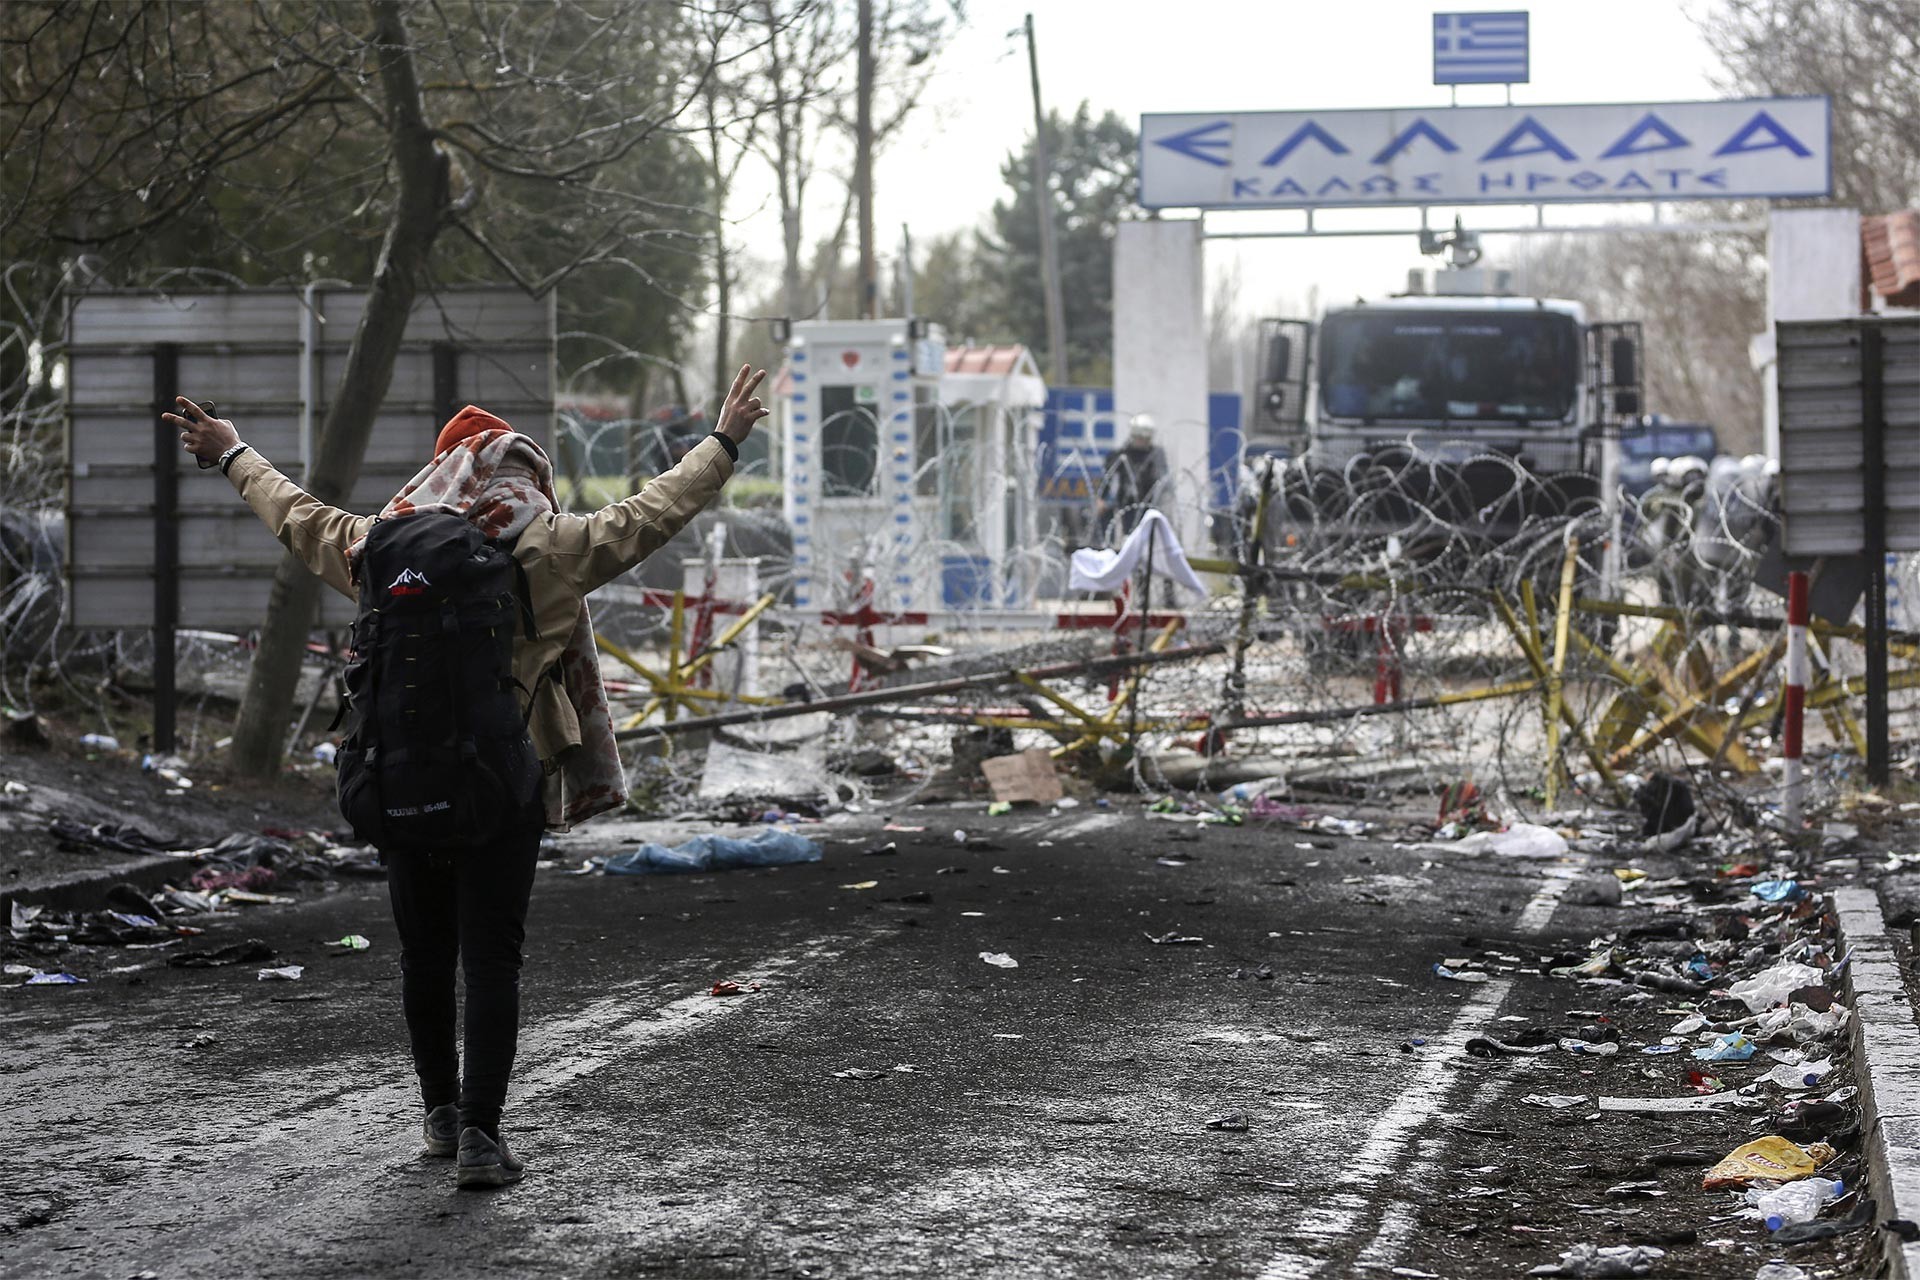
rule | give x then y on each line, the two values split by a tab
1813	273
1160	353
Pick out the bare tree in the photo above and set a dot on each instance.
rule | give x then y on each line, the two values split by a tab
1860	53
1700	300
809	51
520	128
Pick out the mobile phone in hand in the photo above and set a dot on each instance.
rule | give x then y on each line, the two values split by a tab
206	407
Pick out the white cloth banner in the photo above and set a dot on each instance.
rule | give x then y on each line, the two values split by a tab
1097	569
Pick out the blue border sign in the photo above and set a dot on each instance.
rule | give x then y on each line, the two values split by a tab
1744	149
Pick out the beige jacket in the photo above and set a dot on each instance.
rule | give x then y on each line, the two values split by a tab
565	556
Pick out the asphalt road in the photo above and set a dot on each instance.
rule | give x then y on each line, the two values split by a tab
1050	1119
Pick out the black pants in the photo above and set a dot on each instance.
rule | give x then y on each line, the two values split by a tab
470	905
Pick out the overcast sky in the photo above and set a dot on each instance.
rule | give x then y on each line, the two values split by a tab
1134	56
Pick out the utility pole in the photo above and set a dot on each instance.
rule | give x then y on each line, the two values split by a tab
1049	252
906	271
863	162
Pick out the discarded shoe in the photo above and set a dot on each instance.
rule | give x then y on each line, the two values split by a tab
441	1130
485	1162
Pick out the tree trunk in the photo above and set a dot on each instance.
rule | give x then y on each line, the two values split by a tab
260	736
723	287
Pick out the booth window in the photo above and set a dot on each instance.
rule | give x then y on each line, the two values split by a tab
928	448
849	445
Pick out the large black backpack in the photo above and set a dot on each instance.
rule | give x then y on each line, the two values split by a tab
437	754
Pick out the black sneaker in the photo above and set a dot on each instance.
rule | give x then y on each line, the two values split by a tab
485	1162
441	1129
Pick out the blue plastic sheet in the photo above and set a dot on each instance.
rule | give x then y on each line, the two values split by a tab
769	848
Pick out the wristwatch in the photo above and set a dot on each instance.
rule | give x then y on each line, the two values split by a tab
226	459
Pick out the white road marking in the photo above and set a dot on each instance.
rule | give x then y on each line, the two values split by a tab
1386	1148
1076	828
332	1140
1536	914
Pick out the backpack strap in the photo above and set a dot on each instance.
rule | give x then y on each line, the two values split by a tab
526	598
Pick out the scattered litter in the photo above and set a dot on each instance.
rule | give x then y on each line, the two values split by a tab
1488	1047
999	808
1646	1189
858	1073
285	973
1263	974
862	884
1771	1158
768	848
1782	1271
726	987
1729	1047
1600	1049
1174	938
1795	1202
1470	975
1027	777
1772	987
1000	959
1799	1075
1595	891
1594	1262
1521	840
100	741
352	942
251	951
38	979
1670	1106
1232	1122
1777	890
1555	1101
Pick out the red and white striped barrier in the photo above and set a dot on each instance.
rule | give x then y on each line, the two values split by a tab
1794	702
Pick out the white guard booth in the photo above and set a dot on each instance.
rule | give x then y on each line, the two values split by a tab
908	464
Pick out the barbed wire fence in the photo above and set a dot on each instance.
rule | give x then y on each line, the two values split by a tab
1381	627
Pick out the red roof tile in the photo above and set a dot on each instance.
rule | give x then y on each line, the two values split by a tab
1001	360
1890	244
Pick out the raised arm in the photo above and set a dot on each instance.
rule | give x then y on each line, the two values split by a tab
312	530
602	546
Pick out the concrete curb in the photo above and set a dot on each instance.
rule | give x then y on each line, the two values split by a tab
1886	1054
85	890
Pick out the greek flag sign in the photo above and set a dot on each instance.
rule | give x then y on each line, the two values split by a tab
1480	48
1740	149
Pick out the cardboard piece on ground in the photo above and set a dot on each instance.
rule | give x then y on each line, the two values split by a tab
1670	1106
1028	776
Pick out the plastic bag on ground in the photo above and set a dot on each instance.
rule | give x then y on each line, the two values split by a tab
1521	840
1592	1260
1765	990
1768	1159
768	848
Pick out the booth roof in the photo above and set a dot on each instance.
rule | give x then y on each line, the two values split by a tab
1891	245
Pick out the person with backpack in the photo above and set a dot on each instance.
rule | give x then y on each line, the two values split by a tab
476	716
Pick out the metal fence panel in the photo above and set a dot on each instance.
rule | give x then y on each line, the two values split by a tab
1822	467
244	351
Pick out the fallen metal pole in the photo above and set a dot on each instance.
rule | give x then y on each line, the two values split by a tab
1794	699
906	692
1333	714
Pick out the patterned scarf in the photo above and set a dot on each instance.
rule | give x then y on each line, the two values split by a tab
502	481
